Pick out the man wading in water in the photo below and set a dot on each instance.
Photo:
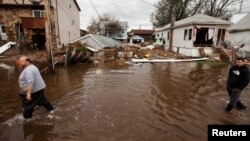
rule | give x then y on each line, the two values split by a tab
238	79
31	88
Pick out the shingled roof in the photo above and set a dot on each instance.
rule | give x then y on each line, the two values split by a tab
242	25
142	32
197	19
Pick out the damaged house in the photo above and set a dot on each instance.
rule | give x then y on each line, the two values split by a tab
103	46
194	36
23	21
240	31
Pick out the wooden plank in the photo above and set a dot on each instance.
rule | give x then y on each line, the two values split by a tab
167	60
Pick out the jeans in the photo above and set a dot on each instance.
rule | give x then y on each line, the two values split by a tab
37	98
234	94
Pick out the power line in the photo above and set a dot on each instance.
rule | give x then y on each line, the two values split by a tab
95	8
148	3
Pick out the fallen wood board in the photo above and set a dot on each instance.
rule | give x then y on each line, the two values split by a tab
167	60
6	46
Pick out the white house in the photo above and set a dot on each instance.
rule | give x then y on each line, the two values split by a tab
194	36
240	31
121	34
68	16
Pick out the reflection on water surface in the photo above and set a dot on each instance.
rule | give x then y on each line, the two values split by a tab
174	101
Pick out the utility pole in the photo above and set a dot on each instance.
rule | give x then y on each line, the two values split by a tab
172	20
240	6
48	35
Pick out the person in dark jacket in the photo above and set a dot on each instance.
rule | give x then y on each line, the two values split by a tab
238	79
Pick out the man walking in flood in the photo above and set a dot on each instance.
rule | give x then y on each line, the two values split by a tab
32	87
238	79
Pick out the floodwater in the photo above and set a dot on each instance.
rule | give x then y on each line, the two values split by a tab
121	102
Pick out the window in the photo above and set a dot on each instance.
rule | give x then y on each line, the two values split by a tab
38	13
188	34
168	35
157	35
204	37
3	29
3	35
162	34
185	34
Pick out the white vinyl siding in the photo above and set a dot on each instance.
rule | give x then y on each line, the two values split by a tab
68	20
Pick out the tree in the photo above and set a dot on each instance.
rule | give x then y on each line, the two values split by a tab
165	9
185	8
94	27
218	8
105	25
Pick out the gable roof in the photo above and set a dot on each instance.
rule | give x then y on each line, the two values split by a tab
78	7
197	19
237	17
103	41
242	25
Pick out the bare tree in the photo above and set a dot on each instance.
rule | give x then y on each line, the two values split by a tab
218	8
94	27
185	8
110	25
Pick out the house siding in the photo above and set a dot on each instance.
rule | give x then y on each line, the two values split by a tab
178	38
241	37
62	33
68	21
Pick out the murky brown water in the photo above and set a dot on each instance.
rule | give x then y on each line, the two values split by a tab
117	102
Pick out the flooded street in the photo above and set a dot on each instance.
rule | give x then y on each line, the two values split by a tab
120	102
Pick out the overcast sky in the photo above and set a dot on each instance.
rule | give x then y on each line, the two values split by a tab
135	12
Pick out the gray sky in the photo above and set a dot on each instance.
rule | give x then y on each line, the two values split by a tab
135	12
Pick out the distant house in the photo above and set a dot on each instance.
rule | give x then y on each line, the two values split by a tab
140	35
100	46
240	31
23	21
120	34
97	42
194	36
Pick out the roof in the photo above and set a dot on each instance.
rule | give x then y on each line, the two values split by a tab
103	41
197	19
18	2
77	5
142	32
27	3
242	25
237	17
136	37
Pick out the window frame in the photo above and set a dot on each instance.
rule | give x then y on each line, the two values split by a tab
41	13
